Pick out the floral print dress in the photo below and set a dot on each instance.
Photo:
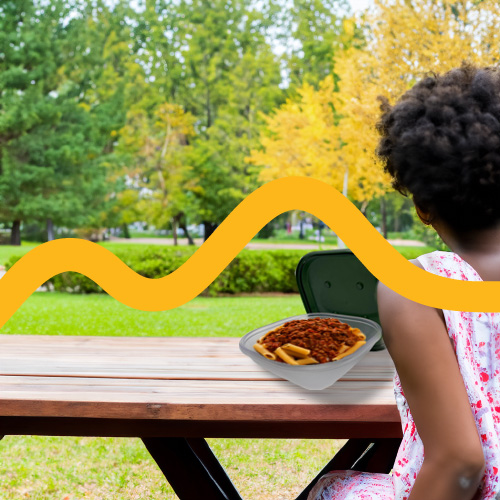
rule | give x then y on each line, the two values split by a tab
476	339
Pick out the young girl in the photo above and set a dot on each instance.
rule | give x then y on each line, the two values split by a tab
441	145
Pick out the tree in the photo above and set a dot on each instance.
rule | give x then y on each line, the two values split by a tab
156	147
49	174
405	40
317	30
47	140
240	79
324	132
303	138
116	89
214	59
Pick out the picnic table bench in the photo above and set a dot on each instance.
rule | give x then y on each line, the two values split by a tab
174	392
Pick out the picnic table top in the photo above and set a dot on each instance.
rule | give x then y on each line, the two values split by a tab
140	386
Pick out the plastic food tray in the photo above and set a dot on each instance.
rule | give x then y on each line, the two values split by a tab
322	375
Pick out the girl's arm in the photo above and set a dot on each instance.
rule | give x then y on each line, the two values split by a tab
418	342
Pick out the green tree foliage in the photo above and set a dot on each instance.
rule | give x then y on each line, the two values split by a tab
49	143
88	89
235	76
317	31
215	60
156	145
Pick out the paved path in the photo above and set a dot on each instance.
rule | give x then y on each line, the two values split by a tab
255	246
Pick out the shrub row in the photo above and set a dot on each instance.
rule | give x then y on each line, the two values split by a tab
251	271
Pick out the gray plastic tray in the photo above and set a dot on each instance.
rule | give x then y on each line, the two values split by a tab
313	377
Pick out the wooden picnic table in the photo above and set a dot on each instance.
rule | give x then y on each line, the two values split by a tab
174	392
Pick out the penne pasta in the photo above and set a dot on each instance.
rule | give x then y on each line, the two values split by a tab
285	357
294	354
266	353
307	361
358	333
295	350
343	348
352	349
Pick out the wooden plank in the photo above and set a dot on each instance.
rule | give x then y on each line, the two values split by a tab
61	426
213	391
183	411
249	387
152	357
131	371
193	400
101	341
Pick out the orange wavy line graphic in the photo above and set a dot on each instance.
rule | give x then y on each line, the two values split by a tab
261	206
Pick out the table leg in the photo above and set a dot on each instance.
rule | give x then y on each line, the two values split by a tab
210	461
366	455
379	457
191	468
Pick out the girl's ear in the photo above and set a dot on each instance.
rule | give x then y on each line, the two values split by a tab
425	217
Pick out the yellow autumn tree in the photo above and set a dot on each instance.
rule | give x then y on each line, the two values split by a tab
405	39
301	138
156	145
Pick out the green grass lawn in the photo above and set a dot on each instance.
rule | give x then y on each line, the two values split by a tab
64	468
96	314
6	251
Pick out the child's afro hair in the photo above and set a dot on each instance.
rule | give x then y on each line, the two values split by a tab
441	143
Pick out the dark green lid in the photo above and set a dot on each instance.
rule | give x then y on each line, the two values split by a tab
335	281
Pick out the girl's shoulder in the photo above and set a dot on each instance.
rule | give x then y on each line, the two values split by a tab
449	265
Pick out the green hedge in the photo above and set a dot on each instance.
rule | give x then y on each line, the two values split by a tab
250	271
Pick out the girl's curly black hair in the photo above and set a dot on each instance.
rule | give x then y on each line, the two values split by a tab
441	144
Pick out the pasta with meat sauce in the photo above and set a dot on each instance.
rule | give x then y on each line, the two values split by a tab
310	341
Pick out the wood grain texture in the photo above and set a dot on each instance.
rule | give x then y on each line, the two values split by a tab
149	357
193	383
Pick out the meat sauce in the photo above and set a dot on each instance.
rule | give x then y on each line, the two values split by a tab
323	336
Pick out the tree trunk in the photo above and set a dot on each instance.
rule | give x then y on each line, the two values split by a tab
182	225
363	208
174	230
15	233
397	219
126	233
50	230
383	213
210	227
209	114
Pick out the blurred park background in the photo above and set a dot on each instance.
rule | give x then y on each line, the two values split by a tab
141	124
